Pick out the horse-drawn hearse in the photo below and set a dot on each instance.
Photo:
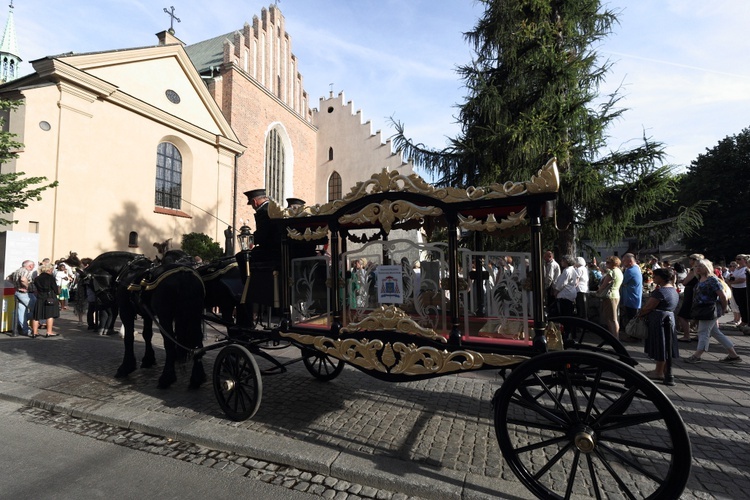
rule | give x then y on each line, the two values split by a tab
572	416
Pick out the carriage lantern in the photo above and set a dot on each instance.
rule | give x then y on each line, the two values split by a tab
245	238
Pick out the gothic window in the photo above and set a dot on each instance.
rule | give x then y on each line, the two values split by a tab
330	154
334	186
275	166
168	176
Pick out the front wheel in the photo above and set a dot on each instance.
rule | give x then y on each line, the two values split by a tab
237	383
582	423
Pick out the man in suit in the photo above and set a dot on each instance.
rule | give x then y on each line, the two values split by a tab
267	243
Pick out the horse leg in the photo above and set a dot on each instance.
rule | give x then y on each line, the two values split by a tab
111	325
168	375
128	361
198	374
149	356
105	313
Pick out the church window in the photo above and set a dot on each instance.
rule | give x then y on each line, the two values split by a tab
168	176
334	186
274	166
330	154
133	239
330	109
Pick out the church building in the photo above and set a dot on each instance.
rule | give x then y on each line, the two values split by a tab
148	144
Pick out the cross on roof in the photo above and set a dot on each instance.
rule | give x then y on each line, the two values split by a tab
172	18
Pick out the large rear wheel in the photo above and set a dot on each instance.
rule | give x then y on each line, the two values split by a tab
581	423
237	383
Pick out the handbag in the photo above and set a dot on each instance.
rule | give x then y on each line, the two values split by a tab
703	311
602	292
637	328
50	301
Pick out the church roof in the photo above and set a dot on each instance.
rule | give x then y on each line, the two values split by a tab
9	44
208	53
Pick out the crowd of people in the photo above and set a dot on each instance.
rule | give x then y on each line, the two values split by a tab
43	290
671	298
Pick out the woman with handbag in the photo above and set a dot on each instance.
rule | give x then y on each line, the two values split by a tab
688	282
609	292
707	292
47	305
660	307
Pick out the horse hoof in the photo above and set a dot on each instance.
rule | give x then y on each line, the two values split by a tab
148	364
123	372
165	382
196	382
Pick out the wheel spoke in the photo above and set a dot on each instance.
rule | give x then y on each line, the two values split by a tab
592	396
614	475
618	407
635	465
623	421
592	474
553	461
572	476
555	399
542	444
534	425
542	411
636	444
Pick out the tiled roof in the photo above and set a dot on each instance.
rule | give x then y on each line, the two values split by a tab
209	52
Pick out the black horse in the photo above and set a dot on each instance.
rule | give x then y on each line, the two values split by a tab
171	293
224	285
100	275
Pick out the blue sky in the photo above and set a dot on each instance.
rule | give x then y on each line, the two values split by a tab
682	64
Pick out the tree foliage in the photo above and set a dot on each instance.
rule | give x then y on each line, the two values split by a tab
533	93
720	175
202	245
15	190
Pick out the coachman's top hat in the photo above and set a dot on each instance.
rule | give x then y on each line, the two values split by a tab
295	201
255	193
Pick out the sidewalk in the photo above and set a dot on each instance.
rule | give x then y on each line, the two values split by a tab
432	439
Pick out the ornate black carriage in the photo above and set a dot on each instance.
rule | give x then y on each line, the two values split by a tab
571	415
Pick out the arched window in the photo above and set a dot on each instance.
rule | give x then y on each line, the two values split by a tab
275	166
334	186
133	239
330	154
168	176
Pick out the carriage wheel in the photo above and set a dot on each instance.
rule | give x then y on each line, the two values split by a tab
586	335
592	425
237	383
322	366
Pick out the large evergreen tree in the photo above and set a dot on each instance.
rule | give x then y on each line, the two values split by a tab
533	93
720	175
15	190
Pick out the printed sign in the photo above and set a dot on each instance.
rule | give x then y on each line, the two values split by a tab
390	285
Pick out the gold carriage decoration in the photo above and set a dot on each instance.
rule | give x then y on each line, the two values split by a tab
386	200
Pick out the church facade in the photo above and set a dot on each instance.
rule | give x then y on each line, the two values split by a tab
152	143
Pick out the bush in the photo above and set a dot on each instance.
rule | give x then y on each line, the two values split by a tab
202	245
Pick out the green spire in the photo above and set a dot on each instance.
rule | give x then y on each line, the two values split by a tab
9	58
9	45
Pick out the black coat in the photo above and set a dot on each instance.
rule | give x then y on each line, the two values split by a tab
46	288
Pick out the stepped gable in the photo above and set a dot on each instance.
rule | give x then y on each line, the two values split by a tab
356	126
263	51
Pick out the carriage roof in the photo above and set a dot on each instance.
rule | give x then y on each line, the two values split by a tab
390	200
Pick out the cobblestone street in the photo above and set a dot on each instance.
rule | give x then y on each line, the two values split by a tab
353	437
